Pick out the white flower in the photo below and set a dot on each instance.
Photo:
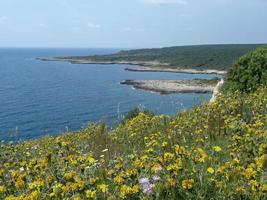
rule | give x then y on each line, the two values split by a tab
156	178
158	169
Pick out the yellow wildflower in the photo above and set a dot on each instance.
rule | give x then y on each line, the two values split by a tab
130	172
138	164
92	181
254	185
77	198
110	172
19	183
69	175
240	190
263	148
156	167
36	184
103	188
33	195
221	169
261	161
203	156
263	188
210	170
90	194
2	189
119	179
127	190
119	165
217	148
2	171
90	160
188	184
168	156
164	144
171	182
57	188
250	173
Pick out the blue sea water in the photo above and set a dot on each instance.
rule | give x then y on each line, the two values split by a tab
39	98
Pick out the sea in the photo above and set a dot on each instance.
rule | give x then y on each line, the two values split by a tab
40	98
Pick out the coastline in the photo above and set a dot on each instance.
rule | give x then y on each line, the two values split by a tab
175	70
163	87
140	66
173	86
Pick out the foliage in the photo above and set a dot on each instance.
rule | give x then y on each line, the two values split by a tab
216	150
197	57
248	72
135	112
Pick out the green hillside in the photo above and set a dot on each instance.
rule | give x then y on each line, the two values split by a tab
198	57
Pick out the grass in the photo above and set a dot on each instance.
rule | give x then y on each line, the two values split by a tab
216	150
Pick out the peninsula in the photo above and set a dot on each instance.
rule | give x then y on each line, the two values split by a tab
175	86
181	58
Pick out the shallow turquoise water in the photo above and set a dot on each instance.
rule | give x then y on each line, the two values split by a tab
39	98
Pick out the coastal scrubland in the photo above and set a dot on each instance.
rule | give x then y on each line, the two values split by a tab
216	150
199	57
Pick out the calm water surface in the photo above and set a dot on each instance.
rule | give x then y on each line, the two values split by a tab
39	98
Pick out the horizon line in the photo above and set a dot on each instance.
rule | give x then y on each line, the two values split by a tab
51	47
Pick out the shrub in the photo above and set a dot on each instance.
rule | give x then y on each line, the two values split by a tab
135	112
248	72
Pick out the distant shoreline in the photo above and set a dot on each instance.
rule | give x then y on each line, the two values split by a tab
140	66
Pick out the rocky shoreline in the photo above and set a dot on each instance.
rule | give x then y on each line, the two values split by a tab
149	66
174	70
174	86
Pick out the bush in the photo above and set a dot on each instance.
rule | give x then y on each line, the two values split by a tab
135	112
248	72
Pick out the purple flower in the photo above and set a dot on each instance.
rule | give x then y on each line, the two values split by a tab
148	189
144	181
146	186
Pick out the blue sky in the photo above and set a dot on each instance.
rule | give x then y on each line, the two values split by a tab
131	23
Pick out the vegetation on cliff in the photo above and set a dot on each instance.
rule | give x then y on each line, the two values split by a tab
216	150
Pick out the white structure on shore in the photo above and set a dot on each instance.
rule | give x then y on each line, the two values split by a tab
216	90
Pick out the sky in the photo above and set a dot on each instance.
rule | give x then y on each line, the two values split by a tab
131	23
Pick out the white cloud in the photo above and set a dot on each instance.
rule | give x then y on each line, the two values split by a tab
183	2
131	29
92	25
